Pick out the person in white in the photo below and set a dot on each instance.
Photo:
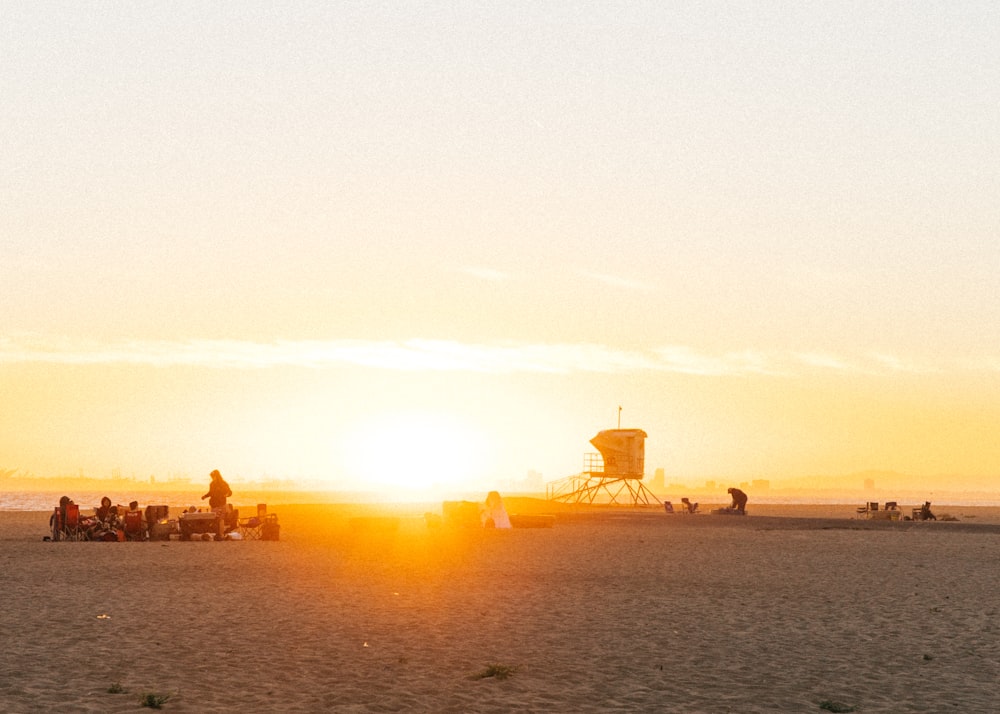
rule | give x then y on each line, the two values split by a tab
494	515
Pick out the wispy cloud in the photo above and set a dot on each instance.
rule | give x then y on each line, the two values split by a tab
825	361
616	281
434	355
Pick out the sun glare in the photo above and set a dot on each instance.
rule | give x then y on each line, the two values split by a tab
416	452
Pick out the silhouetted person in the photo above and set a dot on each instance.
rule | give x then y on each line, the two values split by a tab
739	503
925	512
218	492
691	507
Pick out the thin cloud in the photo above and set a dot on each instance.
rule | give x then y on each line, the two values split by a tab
616	281
893	363
687	361
406	355
826	361
435	355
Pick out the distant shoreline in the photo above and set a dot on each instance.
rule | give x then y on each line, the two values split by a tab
757	514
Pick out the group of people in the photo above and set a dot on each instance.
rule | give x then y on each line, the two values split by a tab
114	523
737	507
109	522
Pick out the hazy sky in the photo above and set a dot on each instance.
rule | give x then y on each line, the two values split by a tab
276	239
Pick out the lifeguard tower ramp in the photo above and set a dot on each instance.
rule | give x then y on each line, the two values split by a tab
612	476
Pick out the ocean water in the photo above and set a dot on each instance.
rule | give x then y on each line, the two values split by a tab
88	498
121	494
47	500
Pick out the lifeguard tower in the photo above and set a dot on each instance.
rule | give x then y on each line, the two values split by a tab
615	473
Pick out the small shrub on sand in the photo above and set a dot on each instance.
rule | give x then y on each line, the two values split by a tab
116	688
497	671
153	700
838	707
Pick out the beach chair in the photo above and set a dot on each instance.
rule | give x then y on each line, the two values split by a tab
253	528
68	524
868	510
668	507
133	526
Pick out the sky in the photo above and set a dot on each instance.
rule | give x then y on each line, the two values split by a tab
410	244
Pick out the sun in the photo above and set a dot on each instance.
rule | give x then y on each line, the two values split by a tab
416	451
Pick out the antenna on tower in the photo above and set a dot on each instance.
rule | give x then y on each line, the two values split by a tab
619	416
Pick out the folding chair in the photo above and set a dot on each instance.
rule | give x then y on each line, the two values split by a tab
253	528
133	526
69	524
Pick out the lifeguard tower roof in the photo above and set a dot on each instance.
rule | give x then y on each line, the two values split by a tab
623	452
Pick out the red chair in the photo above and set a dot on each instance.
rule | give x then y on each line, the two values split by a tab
133	526
66	523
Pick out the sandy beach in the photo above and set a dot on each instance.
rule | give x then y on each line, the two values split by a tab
793	609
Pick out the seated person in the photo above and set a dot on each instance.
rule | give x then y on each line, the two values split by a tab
925	512
103	511
691	507
104	523
493	514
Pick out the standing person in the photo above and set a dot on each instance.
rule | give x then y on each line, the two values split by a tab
218	492
739	503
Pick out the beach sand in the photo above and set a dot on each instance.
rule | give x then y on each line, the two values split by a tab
792	609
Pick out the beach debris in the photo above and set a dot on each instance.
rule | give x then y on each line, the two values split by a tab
153	700
838	707
116	688
104	616
497	671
